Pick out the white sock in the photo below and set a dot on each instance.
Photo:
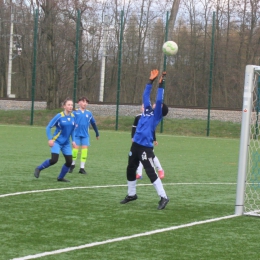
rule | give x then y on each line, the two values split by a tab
159	188
73	162
131	188
82	165
157	163
140	169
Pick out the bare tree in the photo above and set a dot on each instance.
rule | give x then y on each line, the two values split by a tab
49	8
237	43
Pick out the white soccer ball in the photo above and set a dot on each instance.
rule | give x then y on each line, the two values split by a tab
170	48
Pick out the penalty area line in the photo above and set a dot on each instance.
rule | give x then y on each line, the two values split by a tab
119	239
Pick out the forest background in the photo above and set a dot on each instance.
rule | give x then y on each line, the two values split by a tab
236	44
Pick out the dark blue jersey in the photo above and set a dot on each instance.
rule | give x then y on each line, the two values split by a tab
137	118
83	120
150	118
65	125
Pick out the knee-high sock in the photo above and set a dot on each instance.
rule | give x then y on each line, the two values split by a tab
74	155
157	163
83	157
131	188
159	188
63	171
44	165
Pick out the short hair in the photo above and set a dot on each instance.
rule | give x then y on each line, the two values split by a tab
66	100
83	98
165	109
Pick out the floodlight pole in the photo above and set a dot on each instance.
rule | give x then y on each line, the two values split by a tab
34	61
10	61
103	60
119	68
211	69
76	60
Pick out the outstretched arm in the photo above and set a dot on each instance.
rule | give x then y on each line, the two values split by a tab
159	98
148	89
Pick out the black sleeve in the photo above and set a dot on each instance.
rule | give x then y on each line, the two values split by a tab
154	136
135	125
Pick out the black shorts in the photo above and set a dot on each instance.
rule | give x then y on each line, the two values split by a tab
145	155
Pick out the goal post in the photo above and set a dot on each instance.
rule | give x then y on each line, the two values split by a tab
248	178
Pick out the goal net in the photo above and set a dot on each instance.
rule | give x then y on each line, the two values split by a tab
248	181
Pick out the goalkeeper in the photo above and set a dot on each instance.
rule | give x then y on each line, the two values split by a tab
142	146
156	161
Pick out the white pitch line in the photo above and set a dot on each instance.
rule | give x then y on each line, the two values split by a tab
119	239
105	186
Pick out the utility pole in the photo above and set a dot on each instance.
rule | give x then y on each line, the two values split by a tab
103	60
10	62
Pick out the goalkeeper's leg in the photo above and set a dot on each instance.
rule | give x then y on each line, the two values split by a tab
149	167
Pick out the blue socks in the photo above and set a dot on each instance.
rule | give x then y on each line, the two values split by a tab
44	165
64	171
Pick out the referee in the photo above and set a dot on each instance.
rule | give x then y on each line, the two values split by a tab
142	146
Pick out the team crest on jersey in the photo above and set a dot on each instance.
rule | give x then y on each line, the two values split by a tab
130	153
144	156
69	119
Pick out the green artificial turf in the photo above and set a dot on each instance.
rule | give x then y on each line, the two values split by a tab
43	215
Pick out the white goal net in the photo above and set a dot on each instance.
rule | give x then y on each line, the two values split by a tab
248	182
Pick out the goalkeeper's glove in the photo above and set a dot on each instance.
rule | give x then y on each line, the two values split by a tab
162	79
153	75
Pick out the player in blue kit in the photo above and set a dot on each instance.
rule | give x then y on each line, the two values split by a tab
142	146
60	140
83	120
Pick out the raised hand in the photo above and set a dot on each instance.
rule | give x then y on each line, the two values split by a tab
163	76
154	75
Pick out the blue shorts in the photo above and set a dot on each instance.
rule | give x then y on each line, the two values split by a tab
64	148
81	141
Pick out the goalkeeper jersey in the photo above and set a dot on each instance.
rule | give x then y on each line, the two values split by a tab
137	118
65	125
150	118
83	121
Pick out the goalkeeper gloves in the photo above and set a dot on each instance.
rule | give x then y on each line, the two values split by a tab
153	75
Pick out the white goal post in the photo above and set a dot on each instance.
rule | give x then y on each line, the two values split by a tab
248	179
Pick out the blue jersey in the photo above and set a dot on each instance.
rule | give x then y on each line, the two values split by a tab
83	121
65	125
150	118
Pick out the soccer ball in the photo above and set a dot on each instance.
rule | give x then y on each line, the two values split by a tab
170	48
